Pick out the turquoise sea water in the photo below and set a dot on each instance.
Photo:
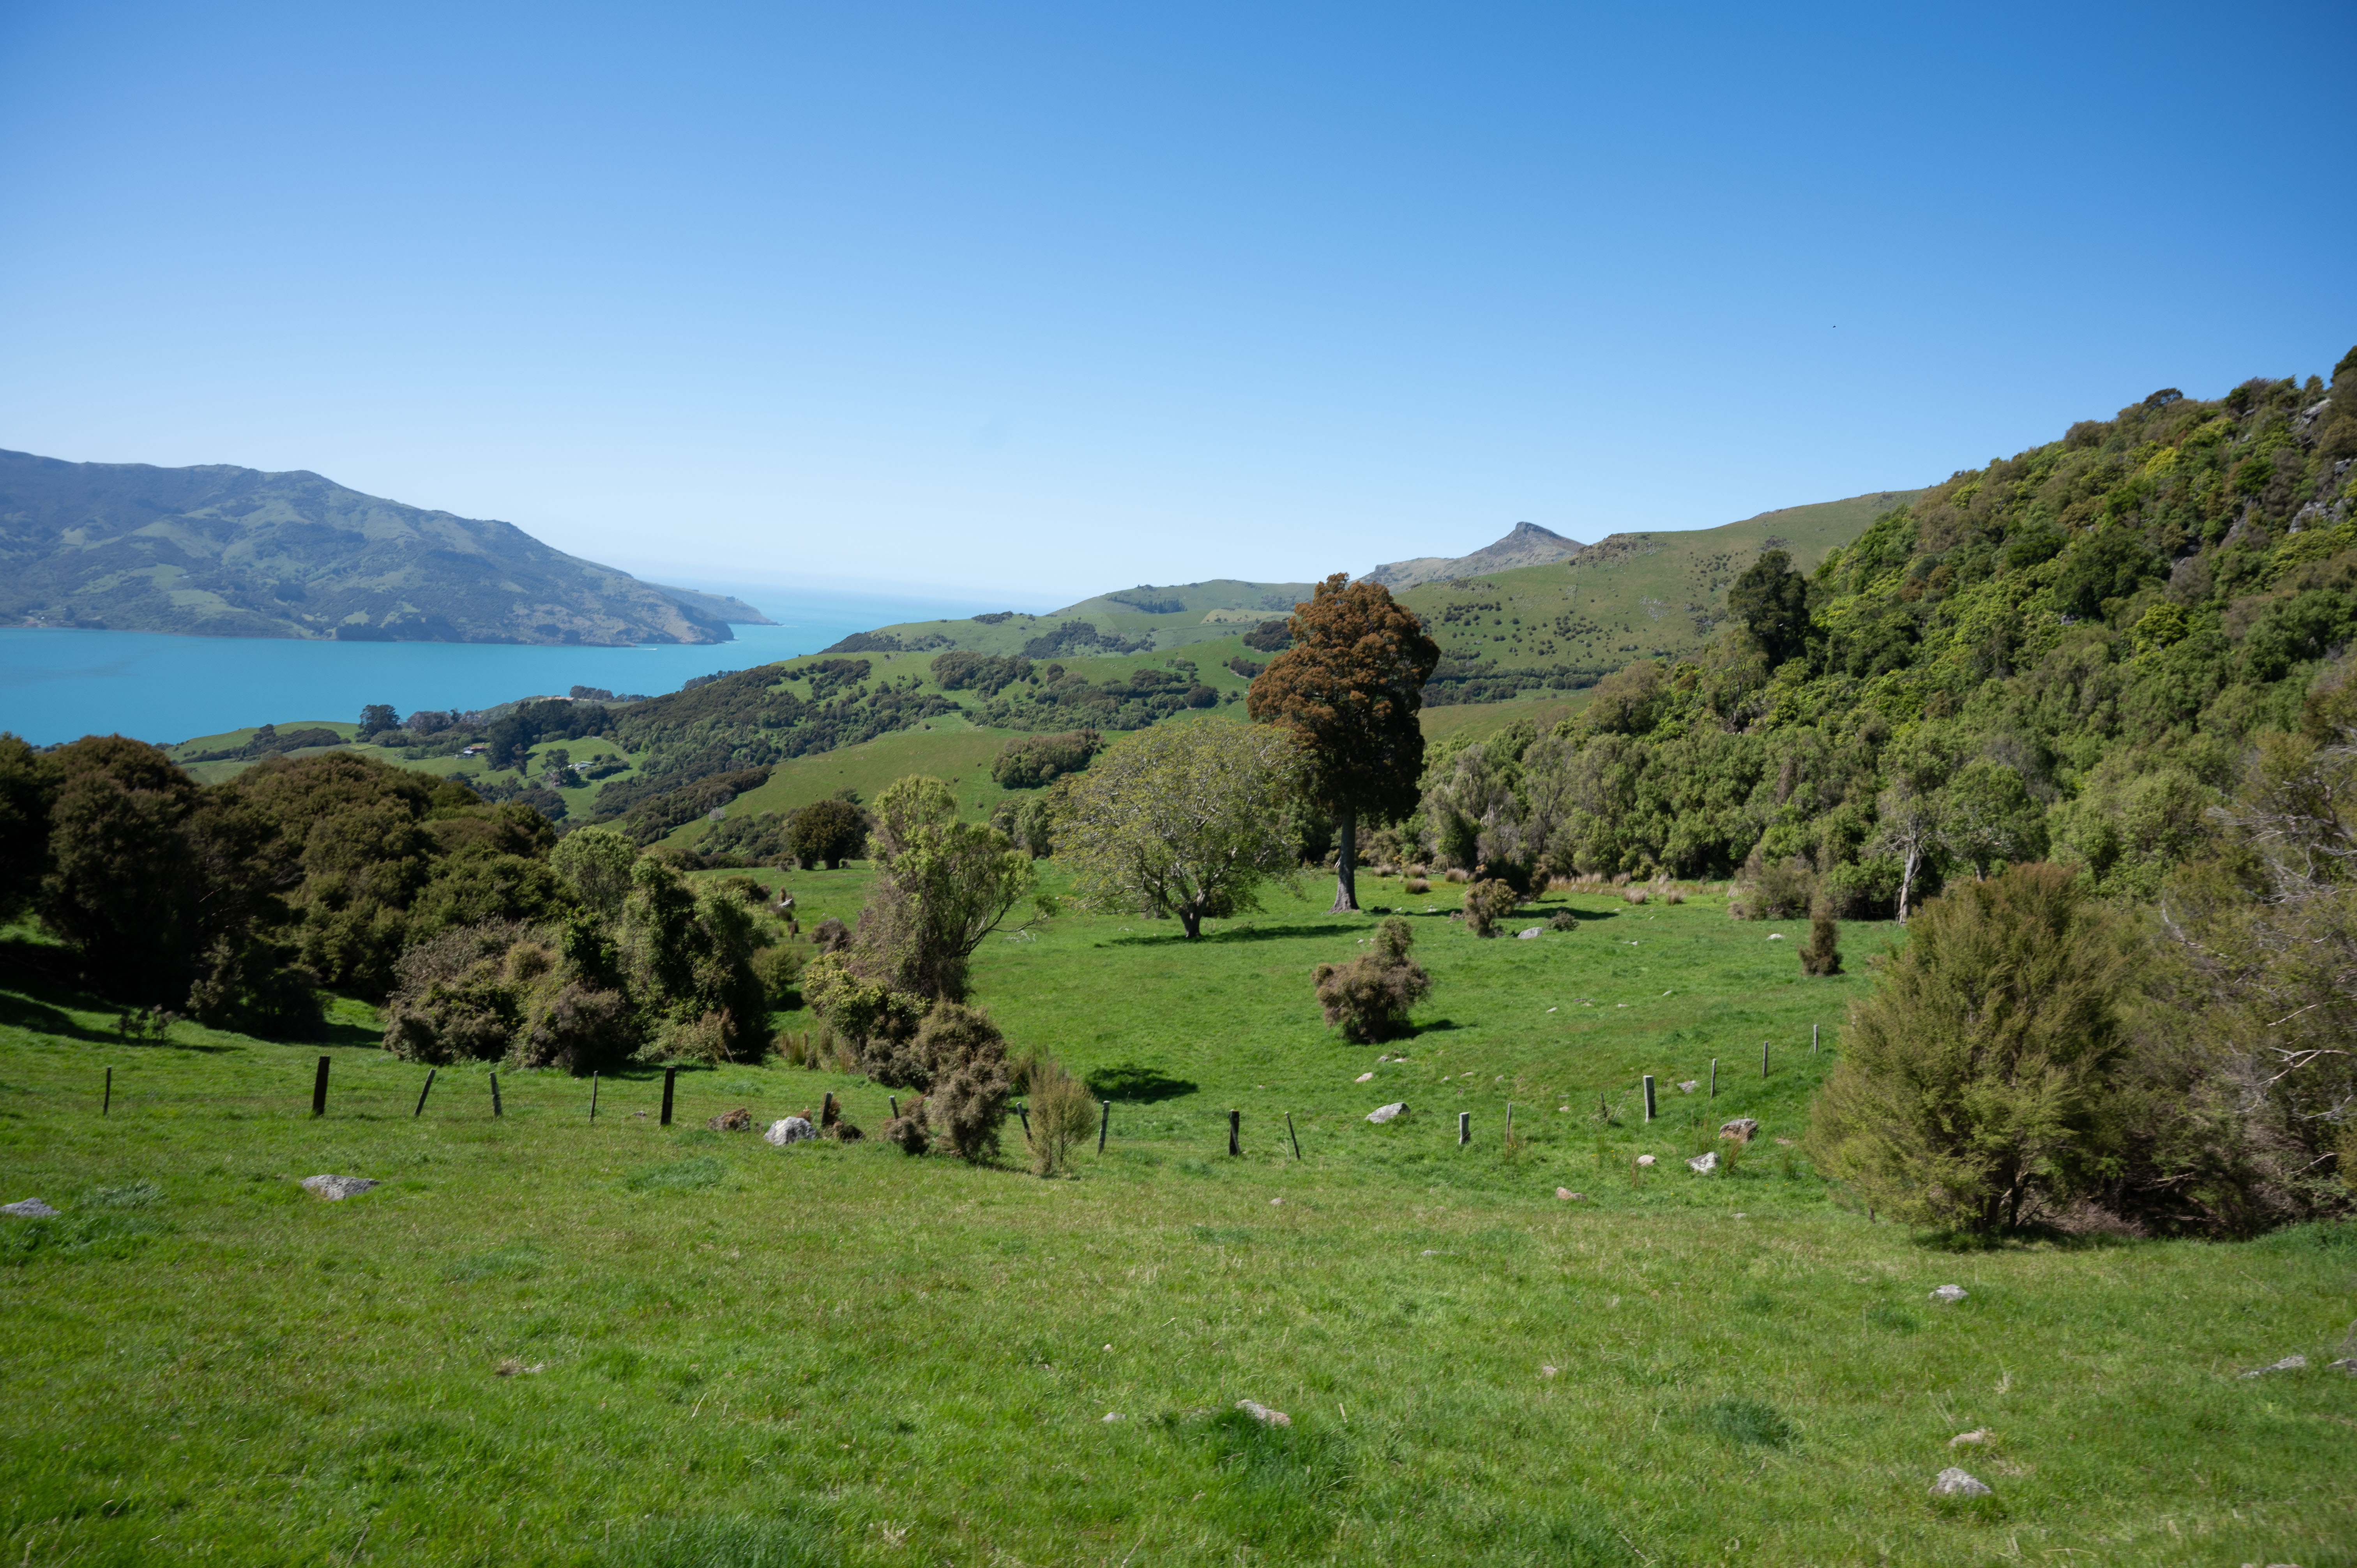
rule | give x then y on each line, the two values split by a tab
57	685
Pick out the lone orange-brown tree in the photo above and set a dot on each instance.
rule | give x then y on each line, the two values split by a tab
1351	685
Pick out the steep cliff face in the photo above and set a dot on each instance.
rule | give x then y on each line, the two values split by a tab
230	551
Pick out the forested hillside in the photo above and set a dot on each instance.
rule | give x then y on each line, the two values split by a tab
2067	653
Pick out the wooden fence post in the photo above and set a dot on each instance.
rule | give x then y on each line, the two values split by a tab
1813	1037
1649	1097
669	1074
424	1092
1464	1128
1713	1077
319	1089
896	1105
593	1095
1763	1059
1235	1128
1510	1125
496	1107
107	1104
1292	1135
1104	1125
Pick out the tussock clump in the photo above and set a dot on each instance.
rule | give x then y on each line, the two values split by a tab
908	1132
1369	998
1456	874
1633	895
1417	886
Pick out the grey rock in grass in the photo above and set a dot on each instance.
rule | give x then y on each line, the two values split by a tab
1263	1415
2289	1364
792	1129
336	1188
1955	1483
1703	1165
1948	1293
31	1209
1689	1086
2346	1364
1743	1128
1526	935
1382	1113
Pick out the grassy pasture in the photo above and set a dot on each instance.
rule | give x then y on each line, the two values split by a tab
718	1353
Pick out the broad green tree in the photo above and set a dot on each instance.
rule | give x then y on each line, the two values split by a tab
1183	821
945	885
1351	687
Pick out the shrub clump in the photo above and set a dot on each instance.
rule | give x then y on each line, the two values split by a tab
827	832
1032	760
1063	1113
1415	886
1774	889
1488	902
1369	998
1562	920
967	1059
1821	956
1975	1084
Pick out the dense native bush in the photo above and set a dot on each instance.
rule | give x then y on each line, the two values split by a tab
2064	655
686	960
966	1057
1270	637
1822	953
941	886
1369	998
1774	889
983	674
1030	823
1030	761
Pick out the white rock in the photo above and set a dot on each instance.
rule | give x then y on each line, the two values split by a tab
336	1188
1113	1415
1524	936
1743	1128
1276	1203
1263	1415
1547	1371
1364	1078
1382	1113
1949	1293
1972	1439
1689	1086
2346	1364
2289	1364
1644	1159
792	1129
1775	936
1569	1196
31	1209
1955	1483
1703	1165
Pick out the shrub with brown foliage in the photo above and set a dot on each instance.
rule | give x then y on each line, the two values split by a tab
1063	1113
966	1056
1774	889
1822	955
1487	903
1369	998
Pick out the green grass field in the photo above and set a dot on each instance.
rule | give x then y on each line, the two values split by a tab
544	1340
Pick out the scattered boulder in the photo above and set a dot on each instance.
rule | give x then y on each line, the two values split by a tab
2346	1364
1775	936
336	1188
1644	1159
1548	1371
1114	1415
737	1121
1382	1113
1263	1415
1743	1128
1703	1165
34	1209
1569	1196
1948	1293
1363	1078
1972	1439
1526	933
791	1130
1955	1483
2289	1364
1689	1086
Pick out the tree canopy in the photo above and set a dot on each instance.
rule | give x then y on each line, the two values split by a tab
1351	687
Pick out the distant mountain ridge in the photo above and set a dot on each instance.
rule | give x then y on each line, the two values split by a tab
1526	544
222	550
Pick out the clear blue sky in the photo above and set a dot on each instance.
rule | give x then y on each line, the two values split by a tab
1044	300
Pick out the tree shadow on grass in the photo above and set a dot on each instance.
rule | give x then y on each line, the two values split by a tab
1287	933
1436	1026
1132	1084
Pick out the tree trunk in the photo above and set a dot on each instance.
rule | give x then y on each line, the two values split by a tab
1190	920
1346	867
1906	881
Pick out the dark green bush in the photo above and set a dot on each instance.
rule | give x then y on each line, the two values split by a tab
1369	998
1487	902
1032	760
